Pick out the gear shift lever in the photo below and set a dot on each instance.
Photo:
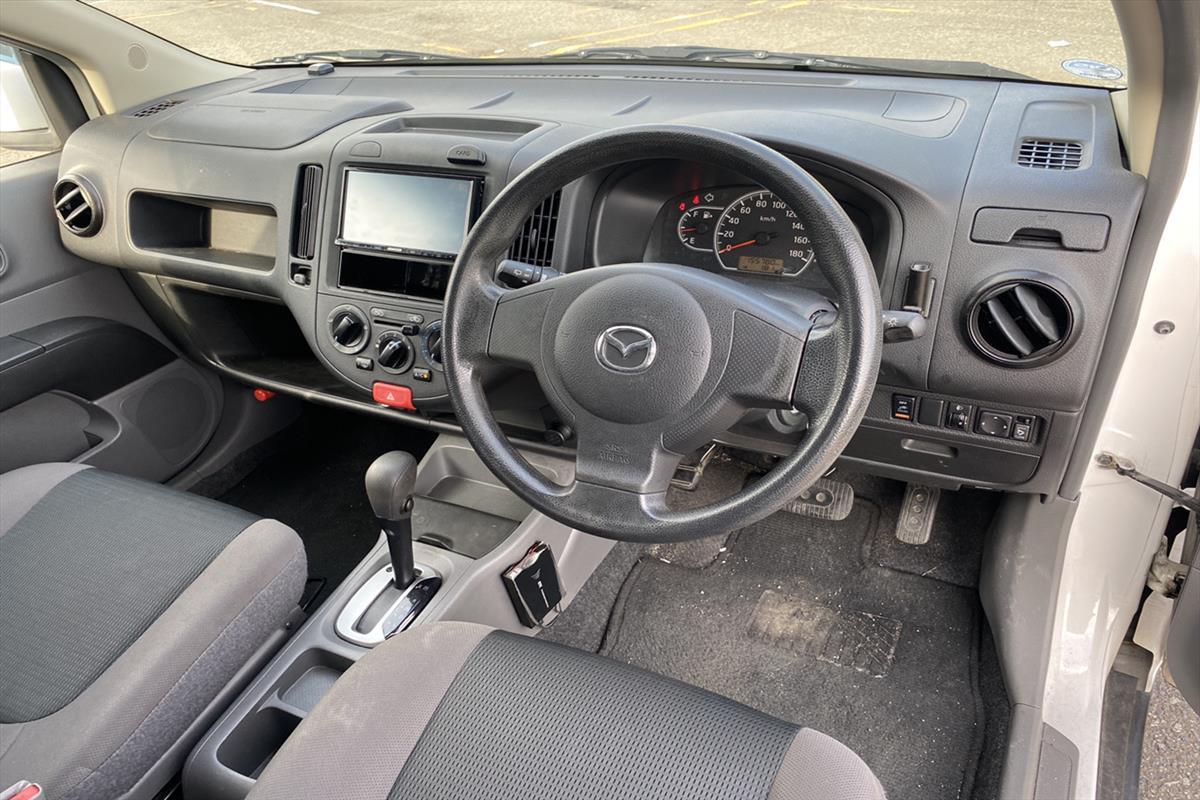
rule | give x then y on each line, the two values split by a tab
390	480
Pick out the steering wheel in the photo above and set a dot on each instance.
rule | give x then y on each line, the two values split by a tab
647	362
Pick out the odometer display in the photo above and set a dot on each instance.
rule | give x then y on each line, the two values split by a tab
759	233
770	266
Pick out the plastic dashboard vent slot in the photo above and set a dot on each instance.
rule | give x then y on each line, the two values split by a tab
308	199
1050	154
1021	323
76	205
535	243
154	108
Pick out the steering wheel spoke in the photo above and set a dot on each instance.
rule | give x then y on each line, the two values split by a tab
624	459
516	331
822	372
764	360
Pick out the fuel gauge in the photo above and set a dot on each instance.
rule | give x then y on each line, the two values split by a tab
696	227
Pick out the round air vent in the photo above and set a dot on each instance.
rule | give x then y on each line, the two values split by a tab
1021	322
77	205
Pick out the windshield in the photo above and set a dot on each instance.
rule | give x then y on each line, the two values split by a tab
1064	41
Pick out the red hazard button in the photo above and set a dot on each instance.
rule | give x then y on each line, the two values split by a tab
389	394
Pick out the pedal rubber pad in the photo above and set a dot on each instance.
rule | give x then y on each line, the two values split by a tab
915	523
825	499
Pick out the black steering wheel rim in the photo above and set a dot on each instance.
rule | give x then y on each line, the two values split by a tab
834	378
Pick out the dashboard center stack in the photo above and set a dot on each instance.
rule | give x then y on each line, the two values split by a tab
397	235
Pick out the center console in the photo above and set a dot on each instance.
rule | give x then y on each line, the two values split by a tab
229	759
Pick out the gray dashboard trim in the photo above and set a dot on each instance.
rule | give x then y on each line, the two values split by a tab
939	149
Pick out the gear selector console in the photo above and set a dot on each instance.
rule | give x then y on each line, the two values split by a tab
393	597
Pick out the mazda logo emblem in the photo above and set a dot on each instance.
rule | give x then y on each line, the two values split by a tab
626	349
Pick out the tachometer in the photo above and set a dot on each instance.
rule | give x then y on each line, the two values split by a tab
759	233
696	226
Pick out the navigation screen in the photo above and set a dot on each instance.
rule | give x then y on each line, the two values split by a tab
418	213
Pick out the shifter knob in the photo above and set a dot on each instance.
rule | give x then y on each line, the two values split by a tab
390	480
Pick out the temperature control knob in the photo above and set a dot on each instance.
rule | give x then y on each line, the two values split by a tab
431	344
348	329
394	353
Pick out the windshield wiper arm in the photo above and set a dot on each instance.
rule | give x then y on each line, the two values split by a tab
795	61
358	56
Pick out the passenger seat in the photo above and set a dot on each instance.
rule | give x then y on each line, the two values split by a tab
125	609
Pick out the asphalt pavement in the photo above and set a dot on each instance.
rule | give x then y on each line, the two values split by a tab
1027	36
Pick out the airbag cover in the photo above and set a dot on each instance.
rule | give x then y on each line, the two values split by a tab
661	381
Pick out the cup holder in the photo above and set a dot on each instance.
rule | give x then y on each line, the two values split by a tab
256	739
255	742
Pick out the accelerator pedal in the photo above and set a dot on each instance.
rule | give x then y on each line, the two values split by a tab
826	499
915	522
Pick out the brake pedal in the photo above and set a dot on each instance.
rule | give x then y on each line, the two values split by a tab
826	499
915	523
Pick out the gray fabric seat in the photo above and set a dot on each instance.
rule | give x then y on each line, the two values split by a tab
457	710
125	609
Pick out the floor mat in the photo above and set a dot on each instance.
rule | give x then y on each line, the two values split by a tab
829	625
310	477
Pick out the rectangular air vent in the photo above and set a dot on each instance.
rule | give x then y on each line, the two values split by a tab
305	217
154	108
1050	154
535	243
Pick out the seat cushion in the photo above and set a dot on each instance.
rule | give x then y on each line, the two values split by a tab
127	607
455	710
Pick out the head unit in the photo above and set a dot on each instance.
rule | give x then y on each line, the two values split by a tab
399	232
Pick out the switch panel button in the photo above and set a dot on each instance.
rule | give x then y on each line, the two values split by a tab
958	416
904	406
992	423
930	412
1023	428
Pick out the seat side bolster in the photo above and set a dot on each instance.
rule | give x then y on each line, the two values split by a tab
819	767
364	745
21	489
102	742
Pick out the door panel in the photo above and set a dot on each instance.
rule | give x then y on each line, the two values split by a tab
1183	643
85	375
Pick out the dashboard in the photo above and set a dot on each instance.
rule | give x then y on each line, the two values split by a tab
297	232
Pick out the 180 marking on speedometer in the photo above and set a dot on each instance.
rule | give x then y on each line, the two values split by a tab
760	233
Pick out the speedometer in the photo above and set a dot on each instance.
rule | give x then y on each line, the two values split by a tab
760	233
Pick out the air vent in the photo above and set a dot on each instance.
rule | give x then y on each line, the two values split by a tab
305	217
1050	154
77	205
154	108
535	243
1021	323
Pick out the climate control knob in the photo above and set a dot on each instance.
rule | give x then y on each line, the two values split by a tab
393	352
348	329
431	344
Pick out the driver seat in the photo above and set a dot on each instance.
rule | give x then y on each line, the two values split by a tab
457	711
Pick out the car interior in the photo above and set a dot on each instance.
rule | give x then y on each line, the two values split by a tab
582	429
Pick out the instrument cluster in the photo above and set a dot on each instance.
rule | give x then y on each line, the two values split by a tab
743	229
